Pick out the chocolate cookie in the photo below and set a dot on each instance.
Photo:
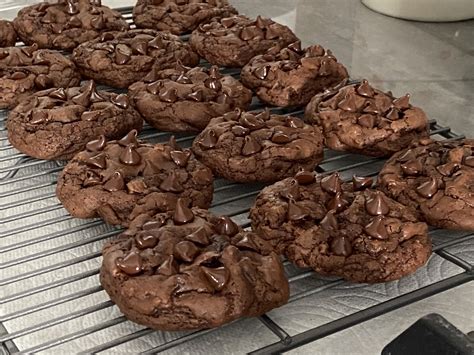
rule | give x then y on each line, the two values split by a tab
253	146
7	34
179	16
233	41
436	179
26	70
57	123
341	230
184	99
360	119
292	76
191	270
118	180
67	23
119	59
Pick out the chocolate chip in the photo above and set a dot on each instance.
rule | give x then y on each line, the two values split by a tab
361	182
348	104
107	36
140	47
246	243
96	144
171	183
331	183
367	121
208	139
226	226
115	183
183	79
197	95
217	277
186	251
305	177
92	179
295	46
213	84
18	75
38	117
42	81
329	222
121	101
406	156
168	267
129	138
157	222
97	161
168	95
292	192
469	161
272	32
428	189
341	246
180	158
412	167
337	203
59	94
448	169
393	114
324	68
224	99
147	239
402	102
261	72
98	22
122	54
250	32
251	146
154	88
131	264
182	213
294	122
226	22
371	108
130	156
280	138
364	89
74	21
376	204
199	237
250	121
376	228
295	212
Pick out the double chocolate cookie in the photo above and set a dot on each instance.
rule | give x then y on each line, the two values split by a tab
251	146
119	180
436	179
179	16
292	76
233	41
7	34
191	270
343	230
26	70
360	119
184	99
66	23
119	59
57	123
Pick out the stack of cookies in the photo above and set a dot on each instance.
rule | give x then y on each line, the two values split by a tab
176	265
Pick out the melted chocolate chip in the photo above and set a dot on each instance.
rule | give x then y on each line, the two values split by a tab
115	183
295	212
402	103
246	243
121	101
214	72
337	203
96	144
42	81
469	161
226	22
376	204
412	167
208	139
376	228
261	72
168	95
251	146
224	99
130	156
59	94
131	264
249	33
364	89
147	239
348	104
329	222
71	8
305	177
154	87
156	43
331	183
406	156
367	121
292	192
183	79
197	95
217	277
182	213
92	179
168	267
341	246
199	237
213	84
280	138
428	189
97	161
294	122
250	121
157	222
240	131
180	158
140	47
361	182
393	114
226	226
171	183
186	251
130	138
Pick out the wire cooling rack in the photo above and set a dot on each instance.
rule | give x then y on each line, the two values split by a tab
51	299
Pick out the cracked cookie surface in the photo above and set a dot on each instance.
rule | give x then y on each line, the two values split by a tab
179	16
291	76
120	59
252	146
345	230
185	100
119	180
26	70
191	270
233	41
67	23
436	179
57	123
361	119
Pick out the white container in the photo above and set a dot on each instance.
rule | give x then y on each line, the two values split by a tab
424	10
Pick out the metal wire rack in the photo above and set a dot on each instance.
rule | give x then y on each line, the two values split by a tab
51	299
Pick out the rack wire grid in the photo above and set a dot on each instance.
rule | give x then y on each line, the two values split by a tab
51	299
